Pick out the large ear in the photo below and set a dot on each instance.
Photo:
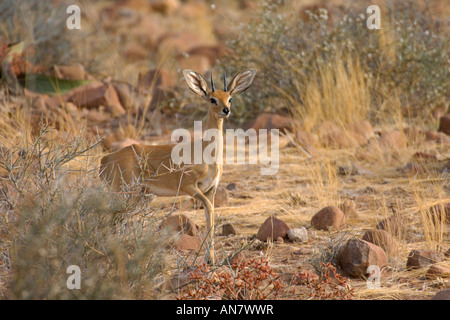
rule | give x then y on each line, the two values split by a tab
241	81
196	82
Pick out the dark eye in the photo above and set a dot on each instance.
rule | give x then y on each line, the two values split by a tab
214	101
229	100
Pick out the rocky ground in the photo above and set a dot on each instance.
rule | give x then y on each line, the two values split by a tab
369	195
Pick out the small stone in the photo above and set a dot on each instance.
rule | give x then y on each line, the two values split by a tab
231	186
187	242
442	295
423	258
179	223
228	229
303	251
444	124
348	207
298	234
328	217
357	255
382	239
272	228
221	198
393	140
440	213
236	259
395	225
437	270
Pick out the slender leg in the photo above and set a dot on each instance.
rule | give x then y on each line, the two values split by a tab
210	196
209	215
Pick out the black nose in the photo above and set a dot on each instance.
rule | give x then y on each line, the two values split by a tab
226	110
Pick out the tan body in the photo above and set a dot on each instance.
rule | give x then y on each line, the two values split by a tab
151	169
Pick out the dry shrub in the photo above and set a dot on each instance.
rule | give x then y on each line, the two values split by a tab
329	285
55	214
251	279
328	252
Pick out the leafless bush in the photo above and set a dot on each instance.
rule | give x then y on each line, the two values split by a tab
55	213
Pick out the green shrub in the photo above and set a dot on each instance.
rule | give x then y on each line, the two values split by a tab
407	58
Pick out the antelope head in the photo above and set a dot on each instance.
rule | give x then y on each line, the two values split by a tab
220	100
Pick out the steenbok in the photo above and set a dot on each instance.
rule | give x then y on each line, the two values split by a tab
152	167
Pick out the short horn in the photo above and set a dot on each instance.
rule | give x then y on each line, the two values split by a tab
212	83
224	82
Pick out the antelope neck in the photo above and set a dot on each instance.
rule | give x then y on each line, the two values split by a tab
214	121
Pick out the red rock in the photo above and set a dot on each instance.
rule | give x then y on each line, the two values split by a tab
327	218
228	229
94	95
187	242
382	239
272	228
442	295
395	225
348	207
179	223
332	135
423	258
392	140
440	212
236	259
357	255
444	124
437	270
221	198
361	131
124	91
439	137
